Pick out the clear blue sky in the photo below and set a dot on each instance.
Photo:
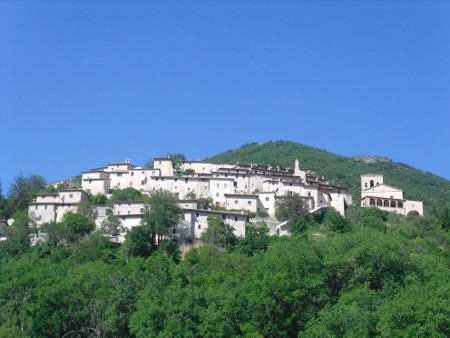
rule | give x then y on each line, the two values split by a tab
84	83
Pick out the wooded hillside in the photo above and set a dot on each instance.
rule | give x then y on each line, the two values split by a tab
343	170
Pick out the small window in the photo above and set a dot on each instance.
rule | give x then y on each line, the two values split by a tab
142	182
224	217
235	218
119	174
309	193
45	207
132	173
142	209
267	199
186	180
199	226
236	202
176	179
129	212
35	207
131	183
197	214
249	202
129	204
71	195
118	213
123	218
120	204
189	189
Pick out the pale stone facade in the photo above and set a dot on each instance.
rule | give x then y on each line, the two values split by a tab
215	180
51	207
375	193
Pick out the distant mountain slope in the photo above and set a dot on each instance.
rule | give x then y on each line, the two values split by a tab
343	170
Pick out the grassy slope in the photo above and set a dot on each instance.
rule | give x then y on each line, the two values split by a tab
345	171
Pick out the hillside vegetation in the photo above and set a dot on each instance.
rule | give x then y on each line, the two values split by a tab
343	170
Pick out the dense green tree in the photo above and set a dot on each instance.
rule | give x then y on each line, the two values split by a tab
149	164
161	214
99	199
334	221
21	225
205	203
191	195
78	224
177	158
57	233
111	226
291	207
138	242
256	239
127	194
218	232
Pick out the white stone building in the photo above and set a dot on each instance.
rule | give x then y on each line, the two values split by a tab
51	207
375	193
216	180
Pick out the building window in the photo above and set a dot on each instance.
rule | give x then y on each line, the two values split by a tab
236	202
186	180
400	205
142	182
132	173
71	195
371	183
217	194
379	203
386	203
142	209
189	189
39	217
118	183
129	204
199	226
235	218
174	231
35	207
371	202
365	185
224	217
309	193
123	218
131	183
129	212
118	213
176	179
45	207
197	214
119	174
393	204
249	202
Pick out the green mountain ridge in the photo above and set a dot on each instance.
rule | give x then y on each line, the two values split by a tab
344	170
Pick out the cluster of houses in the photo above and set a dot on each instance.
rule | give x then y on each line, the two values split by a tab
238	189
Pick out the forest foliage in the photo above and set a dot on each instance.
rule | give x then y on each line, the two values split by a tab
343	170
381	274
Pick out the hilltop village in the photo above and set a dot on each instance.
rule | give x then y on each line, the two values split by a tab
236	189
